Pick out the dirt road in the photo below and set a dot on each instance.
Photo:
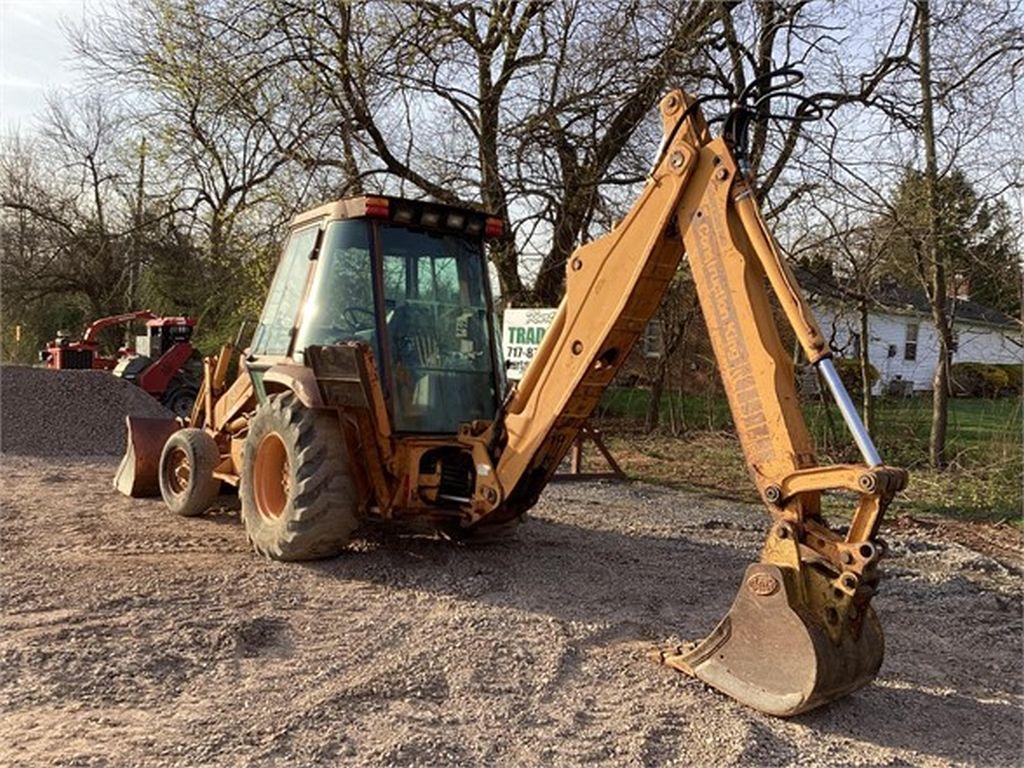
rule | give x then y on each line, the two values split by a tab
130	637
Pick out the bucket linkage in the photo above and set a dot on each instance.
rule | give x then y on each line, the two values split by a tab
801	631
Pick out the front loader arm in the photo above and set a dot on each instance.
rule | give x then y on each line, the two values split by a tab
801	630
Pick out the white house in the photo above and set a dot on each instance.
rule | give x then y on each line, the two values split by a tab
903	342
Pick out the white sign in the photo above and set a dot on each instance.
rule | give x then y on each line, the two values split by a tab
522	331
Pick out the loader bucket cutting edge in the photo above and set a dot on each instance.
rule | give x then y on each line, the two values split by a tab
767	656
138	473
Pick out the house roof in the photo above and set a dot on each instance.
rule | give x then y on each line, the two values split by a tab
899	298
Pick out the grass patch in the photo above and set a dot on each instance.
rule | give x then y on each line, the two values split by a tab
983	481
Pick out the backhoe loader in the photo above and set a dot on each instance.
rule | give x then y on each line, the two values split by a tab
372	390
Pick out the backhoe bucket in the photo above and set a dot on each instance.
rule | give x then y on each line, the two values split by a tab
138	473
768	656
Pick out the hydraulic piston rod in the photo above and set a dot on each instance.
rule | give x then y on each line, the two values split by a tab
850	415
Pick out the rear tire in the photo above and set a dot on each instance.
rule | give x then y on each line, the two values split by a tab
187	461
180	400
298	499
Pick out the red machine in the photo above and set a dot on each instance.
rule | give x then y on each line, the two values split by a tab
158	363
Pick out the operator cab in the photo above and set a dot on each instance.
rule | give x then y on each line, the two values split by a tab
407	278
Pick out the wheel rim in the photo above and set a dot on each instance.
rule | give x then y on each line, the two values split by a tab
271	476
178	471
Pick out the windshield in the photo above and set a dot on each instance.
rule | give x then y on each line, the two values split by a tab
435	305
340	304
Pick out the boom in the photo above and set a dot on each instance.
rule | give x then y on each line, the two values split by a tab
801	630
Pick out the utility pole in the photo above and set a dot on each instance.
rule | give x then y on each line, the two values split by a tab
135	263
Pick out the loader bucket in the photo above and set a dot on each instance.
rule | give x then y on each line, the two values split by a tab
138	473
768	656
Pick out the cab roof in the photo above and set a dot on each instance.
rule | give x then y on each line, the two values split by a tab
404	212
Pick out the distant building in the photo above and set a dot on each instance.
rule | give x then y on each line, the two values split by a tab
903	344
902	339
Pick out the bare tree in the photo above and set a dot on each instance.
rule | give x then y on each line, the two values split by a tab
520	108
64	198
963	83
676	319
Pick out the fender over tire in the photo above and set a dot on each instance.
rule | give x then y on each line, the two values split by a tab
298	498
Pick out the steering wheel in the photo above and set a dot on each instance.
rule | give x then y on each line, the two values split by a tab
351	315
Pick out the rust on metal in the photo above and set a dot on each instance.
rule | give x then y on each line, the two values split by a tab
139	471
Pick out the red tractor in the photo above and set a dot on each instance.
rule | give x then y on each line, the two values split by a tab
159	363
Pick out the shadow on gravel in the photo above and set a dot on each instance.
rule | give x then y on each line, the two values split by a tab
666	585
653	589
949	727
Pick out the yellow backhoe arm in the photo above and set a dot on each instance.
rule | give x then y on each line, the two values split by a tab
801	631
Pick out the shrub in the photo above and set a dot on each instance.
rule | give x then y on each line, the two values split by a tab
978	380
849	374
1015	377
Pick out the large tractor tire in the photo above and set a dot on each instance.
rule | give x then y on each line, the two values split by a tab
186	476
298	498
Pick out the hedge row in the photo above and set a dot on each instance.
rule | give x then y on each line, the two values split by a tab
984	380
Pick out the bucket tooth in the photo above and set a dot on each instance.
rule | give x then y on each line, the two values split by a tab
138	473
770	654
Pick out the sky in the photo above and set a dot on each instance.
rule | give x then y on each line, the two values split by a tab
34	56
36	59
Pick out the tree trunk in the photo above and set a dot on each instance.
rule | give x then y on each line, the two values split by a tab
504	257
932	255
657	388
671	345
867	398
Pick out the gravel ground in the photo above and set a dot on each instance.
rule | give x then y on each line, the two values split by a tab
68	413
130	637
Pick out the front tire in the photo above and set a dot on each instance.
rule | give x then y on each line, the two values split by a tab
298	499
187	462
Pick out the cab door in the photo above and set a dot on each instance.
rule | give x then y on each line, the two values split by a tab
274	336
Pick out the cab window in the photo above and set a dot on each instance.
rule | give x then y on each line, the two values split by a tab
274	333
439	337
340	304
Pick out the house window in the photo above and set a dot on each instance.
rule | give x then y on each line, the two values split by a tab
910	345
654	341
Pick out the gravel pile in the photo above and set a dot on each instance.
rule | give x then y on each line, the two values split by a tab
54	413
